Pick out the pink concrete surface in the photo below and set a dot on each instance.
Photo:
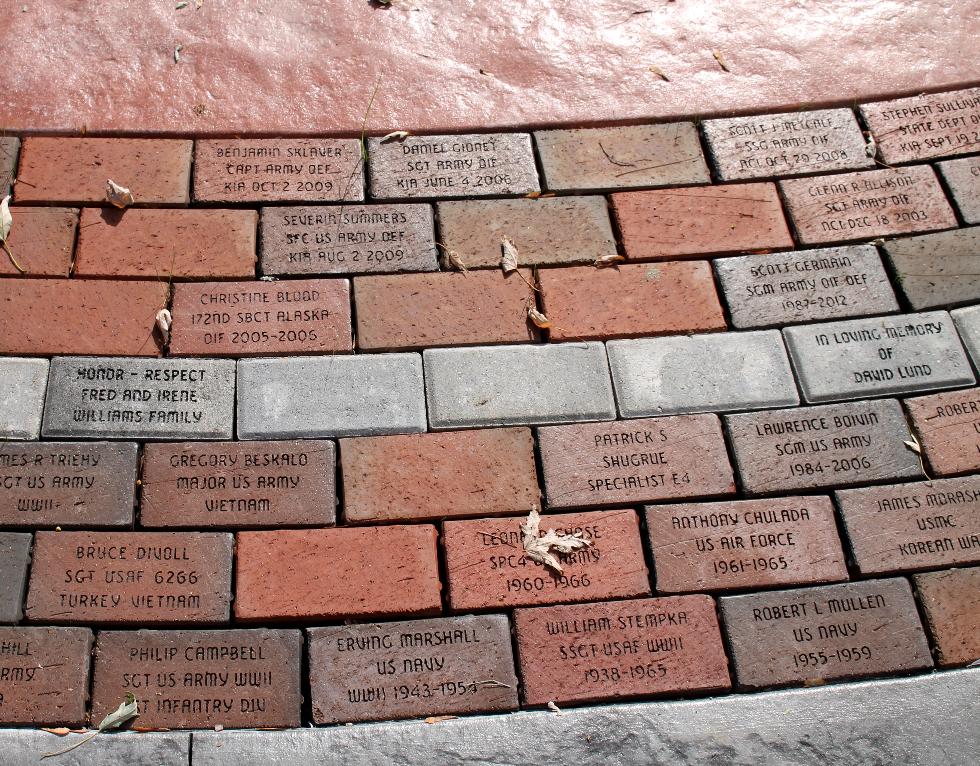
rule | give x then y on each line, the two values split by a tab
295	67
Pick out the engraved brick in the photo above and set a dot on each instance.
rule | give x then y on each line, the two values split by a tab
9	148
920	127
598	159
130	578
68	485
189	244
907	527
348	239
330	396
963	179
830	633
303	316
620	649
48	672
424	477
948	425
828	446
337	574
475	165
15	556
390	670
630	300
743	544
596	464
968	326
548	230
805	286
196	679
22	386
670	223
250	484
951	607
487	569
413	311
278	170
79	316
868	204
517	385
701	373
937	270
75	170
788	144
91	397
41	239
872	357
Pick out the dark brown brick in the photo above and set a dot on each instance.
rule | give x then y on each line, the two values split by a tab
828	633
449	665
948	425
487	569
197	679
215	485
68	485
130	578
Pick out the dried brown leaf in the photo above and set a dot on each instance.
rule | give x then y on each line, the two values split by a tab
61	731
452	260
118	196
913	444
542	548
164	320
509	256
440	718
608	260
395	135
538	319
721	60
660	73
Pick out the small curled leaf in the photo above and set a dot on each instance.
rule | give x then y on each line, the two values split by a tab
164	320
538	319
608	260
660	73
117	195
721	60
6	219
509	256
395	135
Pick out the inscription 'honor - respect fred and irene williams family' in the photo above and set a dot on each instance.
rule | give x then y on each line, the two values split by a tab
91	397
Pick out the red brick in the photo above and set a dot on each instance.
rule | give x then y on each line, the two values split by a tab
621	157
408	311
193	244
307	316
631	300
827	633
430	476
201	679
634	461
238	484
168	578
620	649
41	239
738	544
75	170
544	231
707	220
315	169
487	569
874	203
906	527
79	317
951	607
337	574
412	669
925	126
948	425
45	672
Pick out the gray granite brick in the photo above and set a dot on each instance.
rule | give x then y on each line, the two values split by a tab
363	395
937	270
717	372
22	385
874	357
511	385
963	179
15	555
120	397
968	325
25	747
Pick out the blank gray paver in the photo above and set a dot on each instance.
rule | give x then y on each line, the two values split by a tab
22	385
963	178
876	357
15	555
363	395
937	271
717	372
922	721
121	397
517	385
968	325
